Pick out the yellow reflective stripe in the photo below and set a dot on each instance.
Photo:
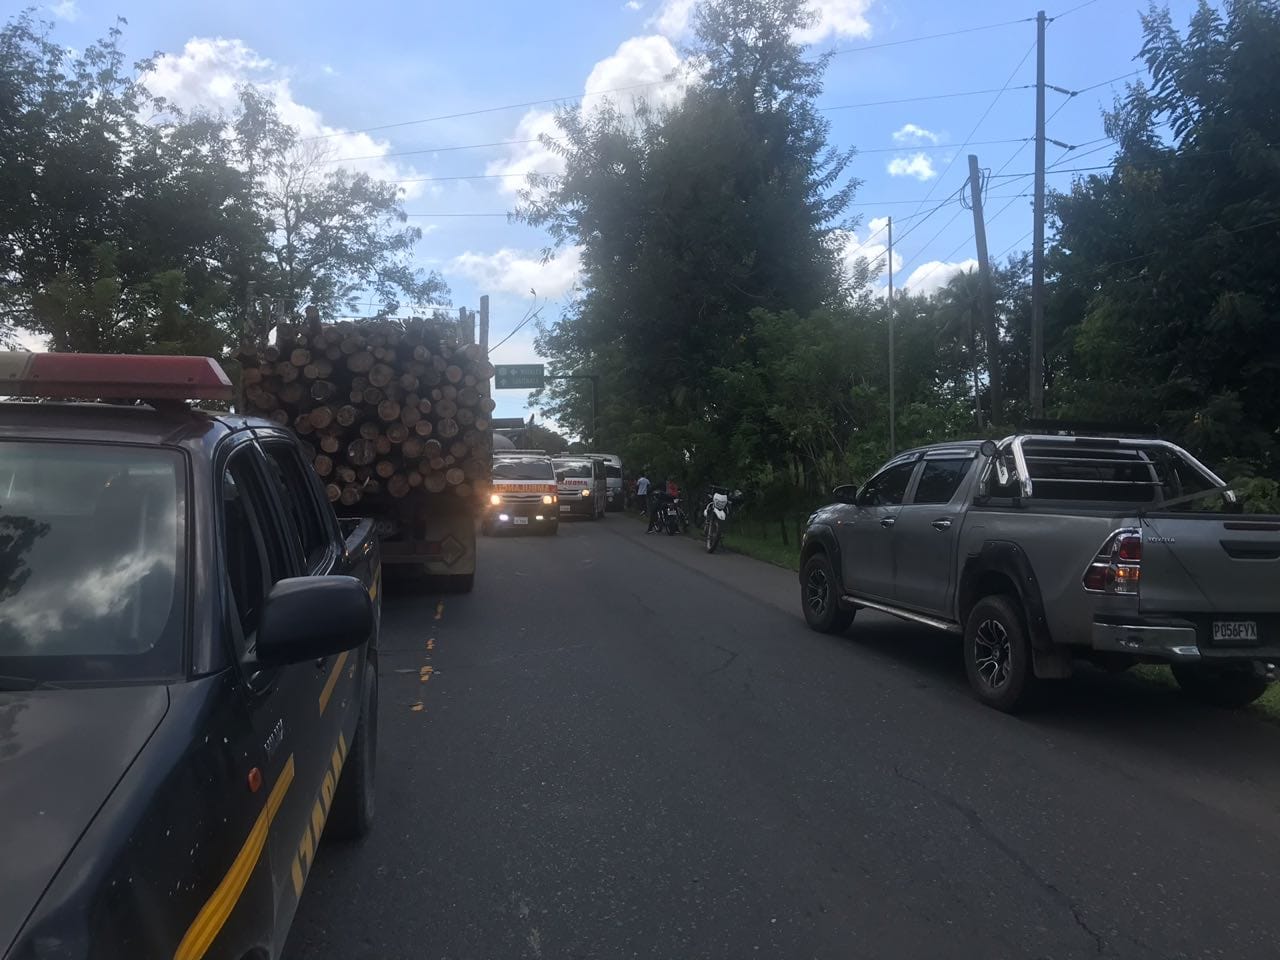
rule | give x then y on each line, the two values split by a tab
332	682
213	915
373	587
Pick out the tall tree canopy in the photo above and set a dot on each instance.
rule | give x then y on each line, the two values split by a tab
1166	268
129	226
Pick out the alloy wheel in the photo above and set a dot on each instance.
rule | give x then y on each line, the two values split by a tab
991	652
817	591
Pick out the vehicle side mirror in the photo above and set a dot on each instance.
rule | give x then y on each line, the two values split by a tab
846	493
988	448
306	618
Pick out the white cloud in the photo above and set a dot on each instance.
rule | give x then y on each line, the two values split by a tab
517	272
835	18
871	247
640	60
933	276
911	134
673	18
66	10
633	5
208	72
917	165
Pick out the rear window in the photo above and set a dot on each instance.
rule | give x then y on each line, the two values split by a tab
573	469
522	468
1125	474
91	561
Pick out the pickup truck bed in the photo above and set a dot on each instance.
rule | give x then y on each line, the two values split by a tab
1043	550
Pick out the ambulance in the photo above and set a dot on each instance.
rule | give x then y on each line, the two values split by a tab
582	486
523	494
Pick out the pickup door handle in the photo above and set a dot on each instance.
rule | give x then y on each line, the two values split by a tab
888	522
940	525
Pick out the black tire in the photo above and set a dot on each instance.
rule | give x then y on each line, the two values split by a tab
1230	686
353	802
820	596
551	529
997	655
461	583
712	538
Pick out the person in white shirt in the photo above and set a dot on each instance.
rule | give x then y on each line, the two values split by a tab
642	493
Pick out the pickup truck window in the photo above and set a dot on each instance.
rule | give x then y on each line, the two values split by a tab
253	555
940	479
307	533
887	488
92	561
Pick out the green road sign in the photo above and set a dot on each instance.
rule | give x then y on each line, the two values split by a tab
518	376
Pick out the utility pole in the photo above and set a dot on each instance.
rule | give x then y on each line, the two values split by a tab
1037	249
989	331
893	413
484	324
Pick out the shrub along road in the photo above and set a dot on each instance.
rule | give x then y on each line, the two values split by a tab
626	748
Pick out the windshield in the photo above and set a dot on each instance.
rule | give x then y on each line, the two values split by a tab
91	548
522	468
573	469
612	472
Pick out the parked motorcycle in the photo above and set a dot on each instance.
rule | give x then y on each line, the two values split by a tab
670	517
716	516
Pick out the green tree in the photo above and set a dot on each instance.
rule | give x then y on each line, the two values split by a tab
690	219
114	231
331	236
1166	269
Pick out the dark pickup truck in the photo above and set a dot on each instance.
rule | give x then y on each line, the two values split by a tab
1053	547
188	672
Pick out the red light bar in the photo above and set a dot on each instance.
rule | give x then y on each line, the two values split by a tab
97	376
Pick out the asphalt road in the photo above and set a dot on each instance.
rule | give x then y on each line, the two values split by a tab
627	748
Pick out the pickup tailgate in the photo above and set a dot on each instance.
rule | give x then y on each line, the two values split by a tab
1210	564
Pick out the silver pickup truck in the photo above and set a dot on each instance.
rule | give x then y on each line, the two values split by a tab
1045	549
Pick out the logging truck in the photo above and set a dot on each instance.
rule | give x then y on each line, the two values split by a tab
395	416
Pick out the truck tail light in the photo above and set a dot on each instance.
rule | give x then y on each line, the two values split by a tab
1117	568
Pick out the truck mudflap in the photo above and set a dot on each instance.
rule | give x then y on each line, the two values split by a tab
445	547
1223	566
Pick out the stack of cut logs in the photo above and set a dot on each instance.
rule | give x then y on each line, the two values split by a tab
381	406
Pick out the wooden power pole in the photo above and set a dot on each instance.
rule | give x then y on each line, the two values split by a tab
893	412
484	324
989	331
1037	248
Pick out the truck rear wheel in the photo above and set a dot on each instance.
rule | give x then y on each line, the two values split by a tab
997	655
461	583
820	596
1230	686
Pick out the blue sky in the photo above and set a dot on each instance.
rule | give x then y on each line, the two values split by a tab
341	67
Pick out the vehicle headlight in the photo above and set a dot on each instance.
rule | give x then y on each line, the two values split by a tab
586	493
548	498
495	499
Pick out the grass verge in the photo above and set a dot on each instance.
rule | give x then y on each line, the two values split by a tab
766	548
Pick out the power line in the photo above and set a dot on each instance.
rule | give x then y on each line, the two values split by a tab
1078	6
579	97
930	36
411	153
939	146
456	214
527	317
991	106
932	96
1018	242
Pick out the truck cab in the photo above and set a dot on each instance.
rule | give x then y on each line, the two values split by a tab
188	665
581	484
523	493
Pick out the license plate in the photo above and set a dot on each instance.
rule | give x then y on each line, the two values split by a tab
1238	631
520	521
565	508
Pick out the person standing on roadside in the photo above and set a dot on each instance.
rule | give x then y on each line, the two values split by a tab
642	493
